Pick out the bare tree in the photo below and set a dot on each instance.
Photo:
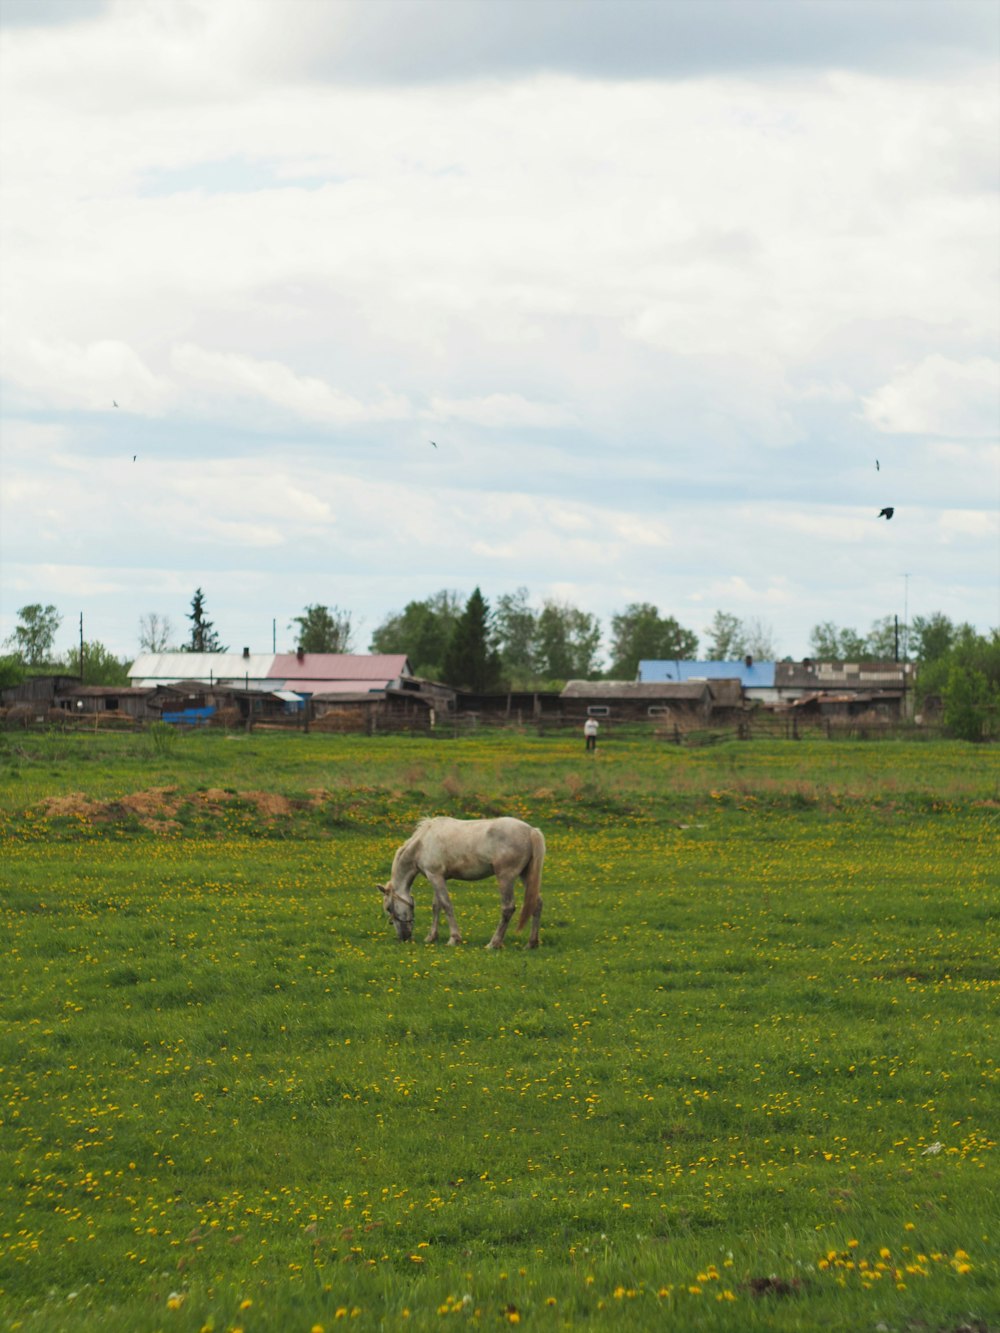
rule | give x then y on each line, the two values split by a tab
155	632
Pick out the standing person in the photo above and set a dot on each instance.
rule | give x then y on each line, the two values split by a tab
590	732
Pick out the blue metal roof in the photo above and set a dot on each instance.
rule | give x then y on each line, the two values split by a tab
759	674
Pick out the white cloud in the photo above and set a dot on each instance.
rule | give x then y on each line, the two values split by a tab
306	397
608	298
971	523
500	409
940	396
93	376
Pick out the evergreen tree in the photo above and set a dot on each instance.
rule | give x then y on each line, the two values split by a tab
471	661
203	636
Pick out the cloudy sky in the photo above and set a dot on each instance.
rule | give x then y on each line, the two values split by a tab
662	279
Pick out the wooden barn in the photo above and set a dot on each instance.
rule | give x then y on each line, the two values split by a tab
637	701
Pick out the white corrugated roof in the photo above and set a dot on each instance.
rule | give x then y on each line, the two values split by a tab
165	668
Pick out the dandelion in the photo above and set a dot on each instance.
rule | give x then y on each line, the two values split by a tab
175	1300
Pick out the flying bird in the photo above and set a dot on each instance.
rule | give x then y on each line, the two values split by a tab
887	512
113	403
432	443
134	457
877	468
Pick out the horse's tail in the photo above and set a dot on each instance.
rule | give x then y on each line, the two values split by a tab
533	878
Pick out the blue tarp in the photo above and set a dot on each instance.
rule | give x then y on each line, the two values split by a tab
189	717
758	674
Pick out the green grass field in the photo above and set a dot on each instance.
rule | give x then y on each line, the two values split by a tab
749	1081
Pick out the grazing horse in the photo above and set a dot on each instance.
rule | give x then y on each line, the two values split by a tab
442	849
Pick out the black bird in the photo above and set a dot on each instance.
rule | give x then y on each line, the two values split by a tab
432	443
113	403
887	512
877	468
133	458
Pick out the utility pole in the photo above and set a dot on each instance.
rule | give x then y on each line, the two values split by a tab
906	617
274	635
81	647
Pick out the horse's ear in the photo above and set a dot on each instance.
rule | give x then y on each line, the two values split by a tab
383	889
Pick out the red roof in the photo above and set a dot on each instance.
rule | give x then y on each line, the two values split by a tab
325	673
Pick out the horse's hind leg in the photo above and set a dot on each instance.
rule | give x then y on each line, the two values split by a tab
506	911
536	921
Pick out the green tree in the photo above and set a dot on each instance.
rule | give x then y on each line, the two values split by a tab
34	636
422	630
830	644
472	661
931	636
324	629
568	643
732	638
726	638
516	628
100	665
203	636
885	641
11	670
640	633
968	651
969	704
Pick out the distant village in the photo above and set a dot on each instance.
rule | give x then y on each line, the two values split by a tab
378	692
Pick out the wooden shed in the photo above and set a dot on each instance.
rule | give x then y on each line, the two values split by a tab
637	701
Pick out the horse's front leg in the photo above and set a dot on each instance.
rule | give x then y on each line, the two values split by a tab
506	912
442	900
435	918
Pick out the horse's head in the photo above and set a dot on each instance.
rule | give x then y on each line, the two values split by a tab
398	908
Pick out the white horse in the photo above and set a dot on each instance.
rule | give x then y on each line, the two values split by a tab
442	849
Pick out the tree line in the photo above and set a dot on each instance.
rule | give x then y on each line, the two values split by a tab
515	645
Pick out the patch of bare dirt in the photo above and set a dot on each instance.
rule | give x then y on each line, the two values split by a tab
157	803
73	803
158	808
269	803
